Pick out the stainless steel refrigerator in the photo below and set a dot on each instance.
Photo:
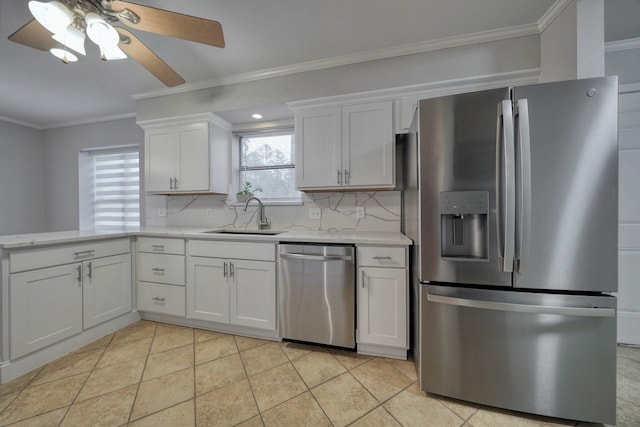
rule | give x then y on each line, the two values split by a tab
511	198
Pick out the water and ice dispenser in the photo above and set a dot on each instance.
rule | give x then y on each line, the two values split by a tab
464	226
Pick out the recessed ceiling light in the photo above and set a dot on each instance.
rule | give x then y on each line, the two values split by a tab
256	116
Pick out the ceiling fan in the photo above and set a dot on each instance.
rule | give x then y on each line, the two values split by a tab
60	26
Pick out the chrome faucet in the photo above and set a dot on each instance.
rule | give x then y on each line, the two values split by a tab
264	222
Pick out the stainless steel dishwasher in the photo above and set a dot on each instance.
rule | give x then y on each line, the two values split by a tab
317	293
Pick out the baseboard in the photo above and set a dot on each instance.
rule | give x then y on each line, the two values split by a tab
382	351
217	327
628	327
15	368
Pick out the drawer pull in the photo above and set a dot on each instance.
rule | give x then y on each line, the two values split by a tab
158	269
380	258
158	247
84	254
160	299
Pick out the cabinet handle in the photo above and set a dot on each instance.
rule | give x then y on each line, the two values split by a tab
379	258
90	272
232	269
79	276
161	299
224	274
346	176
157	247
339	177
84	254
158	269
364	280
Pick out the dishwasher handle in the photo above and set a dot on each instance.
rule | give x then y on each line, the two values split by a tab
317	257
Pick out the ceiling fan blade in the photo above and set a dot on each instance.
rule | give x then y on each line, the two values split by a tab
171	24
34	35
139	52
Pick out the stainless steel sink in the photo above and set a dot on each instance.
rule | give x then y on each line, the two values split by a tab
246	232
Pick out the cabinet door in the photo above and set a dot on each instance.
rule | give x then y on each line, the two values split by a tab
368	153
253	294
45	307
318	148
208	289
160	159
193	154
382	306
106	288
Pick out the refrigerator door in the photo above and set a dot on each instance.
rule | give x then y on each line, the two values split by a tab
547	354
567	181
461	164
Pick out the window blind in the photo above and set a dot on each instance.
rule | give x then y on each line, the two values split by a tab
116	190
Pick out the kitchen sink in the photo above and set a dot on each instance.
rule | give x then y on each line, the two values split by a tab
246	232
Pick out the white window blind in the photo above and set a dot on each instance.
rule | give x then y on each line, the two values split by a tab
267	160
116	201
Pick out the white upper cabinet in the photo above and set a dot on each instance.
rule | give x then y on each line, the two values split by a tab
348	147
187	155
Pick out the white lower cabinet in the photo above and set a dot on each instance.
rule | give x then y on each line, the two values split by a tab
382	300
231	290
161	276
45	307
106	288
56	292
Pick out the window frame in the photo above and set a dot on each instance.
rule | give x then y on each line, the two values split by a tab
239	168
87	186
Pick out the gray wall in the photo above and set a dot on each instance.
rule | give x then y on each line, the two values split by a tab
22	165
61	173
521	53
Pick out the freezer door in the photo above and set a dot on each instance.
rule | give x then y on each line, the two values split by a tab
461	140
567	182
552	355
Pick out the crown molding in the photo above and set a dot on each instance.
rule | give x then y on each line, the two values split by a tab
372	55
552	13
20	123
620	45
425	90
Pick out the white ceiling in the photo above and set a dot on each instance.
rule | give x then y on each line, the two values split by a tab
39	90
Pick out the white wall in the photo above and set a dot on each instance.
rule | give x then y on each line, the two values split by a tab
62	146
624	64
572	46
22	165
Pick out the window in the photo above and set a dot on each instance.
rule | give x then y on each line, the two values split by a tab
110	188
266	160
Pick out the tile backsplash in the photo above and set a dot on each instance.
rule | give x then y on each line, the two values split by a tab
338	212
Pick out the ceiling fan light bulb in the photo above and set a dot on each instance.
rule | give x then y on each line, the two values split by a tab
100	31
64	55
72	38
54	16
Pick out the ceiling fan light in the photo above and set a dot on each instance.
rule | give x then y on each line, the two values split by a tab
72	38
64	55
110	53
54	16
100	31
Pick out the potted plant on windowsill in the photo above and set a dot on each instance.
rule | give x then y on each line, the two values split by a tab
246	192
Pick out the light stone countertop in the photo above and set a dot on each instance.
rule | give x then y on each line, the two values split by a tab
20	241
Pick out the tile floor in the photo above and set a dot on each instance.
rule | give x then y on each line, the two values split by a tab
153	374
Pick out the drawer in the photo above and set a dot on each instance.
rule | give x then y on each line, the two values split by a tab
58	255
161	268
157	298
235	250
381	256
160	245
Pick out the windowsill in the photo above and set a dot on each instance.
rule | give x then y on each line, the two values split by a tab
292	202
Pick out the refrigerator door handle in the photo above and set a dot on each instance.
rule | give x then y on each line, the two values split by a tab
524	149
505	185
523	308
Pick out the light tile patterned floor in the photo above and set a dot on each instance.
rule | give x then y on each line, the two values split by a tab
153	374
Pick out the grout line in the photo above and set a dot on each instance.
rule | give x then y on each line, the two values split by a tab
135	398
246	374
